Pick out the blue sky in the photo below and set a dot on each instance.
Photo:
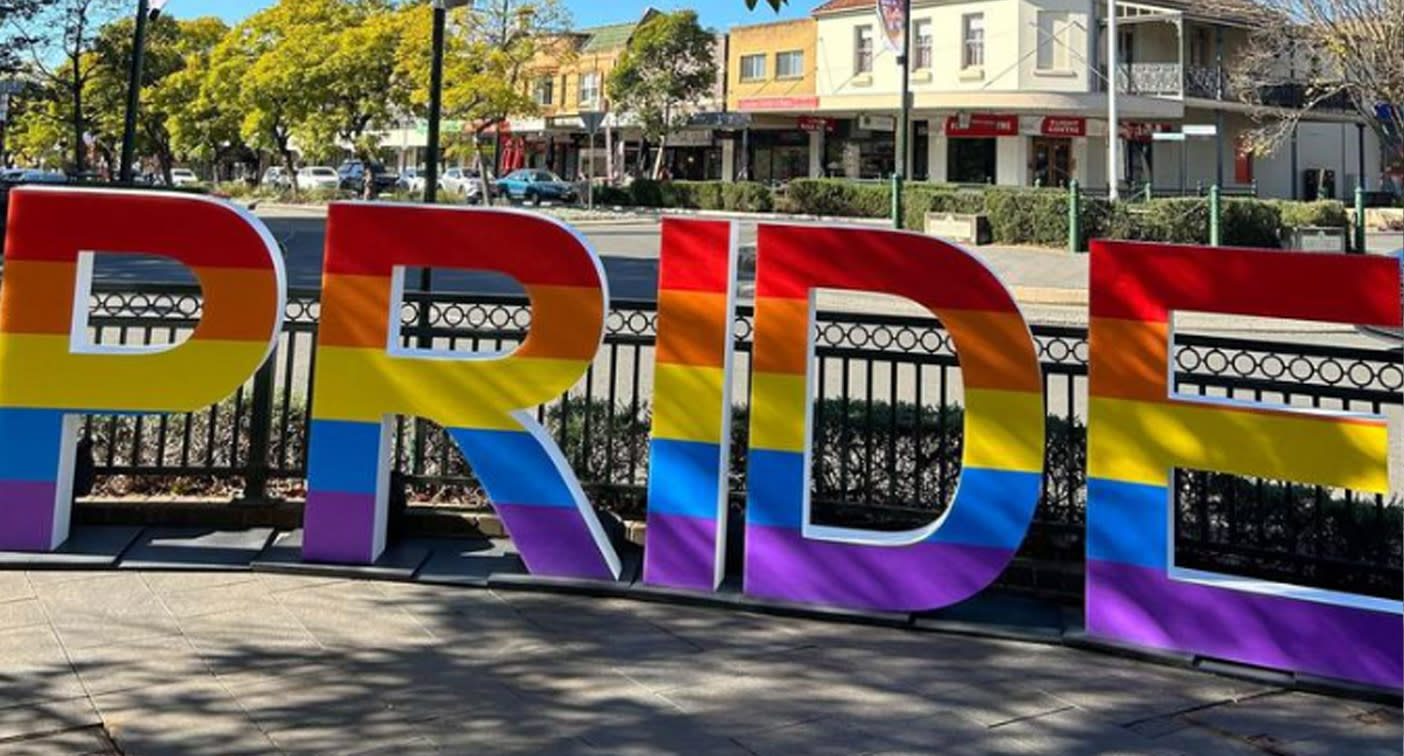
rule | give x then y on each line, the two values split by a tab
718	14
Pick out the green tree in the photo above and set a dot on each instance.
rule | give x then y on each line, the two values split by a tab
269	68
668	67
364	87
15	36
60	38
489	51
171	47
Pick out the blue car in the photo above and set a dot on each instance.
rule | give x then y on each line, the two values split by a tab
535	186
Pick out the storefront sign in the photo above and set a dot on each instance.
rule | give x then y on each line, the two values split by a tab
777	103
877	123
1140	430
691	138
982	125
1057	126
811	123
1136	131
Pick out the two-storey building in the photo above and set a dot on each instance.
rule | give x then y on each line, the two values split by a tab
1015	92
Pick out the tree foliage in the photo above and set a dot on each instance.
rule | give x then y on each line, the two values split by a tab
669	66
1332	51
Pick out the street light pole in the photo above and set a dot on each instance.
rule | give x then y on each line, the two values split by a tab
436	87
134	92
904	120
1113	126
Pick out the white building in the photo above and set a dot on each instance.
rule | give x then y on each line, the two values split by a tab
1013	92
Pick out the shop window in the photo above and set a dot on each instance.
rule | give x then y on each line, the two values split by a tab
789	64
972	53
1054	36
863	50
970	161
753	67
922	50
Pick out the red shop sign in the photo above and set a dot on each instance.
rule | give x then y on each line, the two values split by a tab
1136	131
1063	127
982	125
812	123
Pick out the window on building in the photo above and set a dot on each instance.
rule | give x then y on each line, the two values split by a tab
972	35
863	50
789	64
1054	40
753	67
545	91
590	89
921	44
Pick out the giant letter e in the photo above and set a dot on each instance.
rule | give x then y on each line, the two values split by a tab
787	556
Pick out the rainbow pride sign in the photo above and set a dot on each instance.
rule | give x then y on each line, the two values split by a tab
1140	431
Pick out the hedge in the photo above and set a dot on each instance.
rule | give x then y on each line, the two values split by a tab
1016	215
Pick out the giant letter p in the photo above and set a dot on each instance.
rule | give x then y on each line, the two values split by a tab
51	373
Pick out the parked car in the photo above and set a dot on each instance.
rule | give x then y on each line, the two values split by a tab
535	186
463	182
276	178
412	181
183	177
318	177
352	175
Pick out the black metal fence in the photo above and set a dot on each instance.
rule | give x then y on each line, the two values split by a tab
888	432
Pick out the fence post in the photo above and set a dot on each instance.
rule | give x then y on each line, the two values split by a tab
1359	219
1074	218
897	202
1215	229
1150	193
260	434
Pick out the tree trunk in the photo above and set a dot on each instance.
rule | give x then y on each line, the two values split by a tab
658	157
79	146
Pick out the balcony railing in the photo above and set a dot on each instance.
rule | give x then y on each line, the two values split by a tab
1210	83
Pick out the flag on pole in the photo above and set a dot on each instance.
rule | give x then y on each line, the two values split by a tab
893	22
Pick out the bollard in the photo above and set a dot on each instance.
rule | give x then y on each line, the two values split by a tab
1359	220
1074	218
1149	192
1215	230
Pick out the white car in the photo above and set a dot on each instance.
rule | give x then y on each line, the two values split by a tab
463	183
183	177
412	180
318	177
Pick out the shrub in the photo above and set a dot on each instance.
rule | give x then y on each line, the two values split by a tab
645	193
838	197
1251	223
747	197
1330	213
612	196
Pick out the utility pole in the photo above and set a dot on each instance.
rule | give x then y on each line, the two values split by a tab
133	93
1113	127
904	118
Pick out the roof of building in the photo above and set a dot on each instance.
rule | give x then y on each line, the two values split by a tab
838	5
613	36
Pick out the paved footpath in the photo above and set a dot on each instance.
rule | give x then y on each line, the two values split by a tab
145	663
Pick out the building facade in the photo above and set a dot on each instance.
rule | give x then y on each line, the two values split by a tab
1014	93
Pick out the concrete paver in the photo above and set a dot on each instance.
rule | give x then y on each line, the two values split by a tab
310	666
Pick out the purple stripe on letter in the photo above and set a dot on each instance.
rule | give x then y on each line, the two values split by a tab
28	508
782	564
1145	607
681	551
554	541
338	527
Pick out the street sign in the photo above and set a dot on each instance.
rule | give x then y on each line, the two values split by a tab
1168	136
1199	130
592	119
